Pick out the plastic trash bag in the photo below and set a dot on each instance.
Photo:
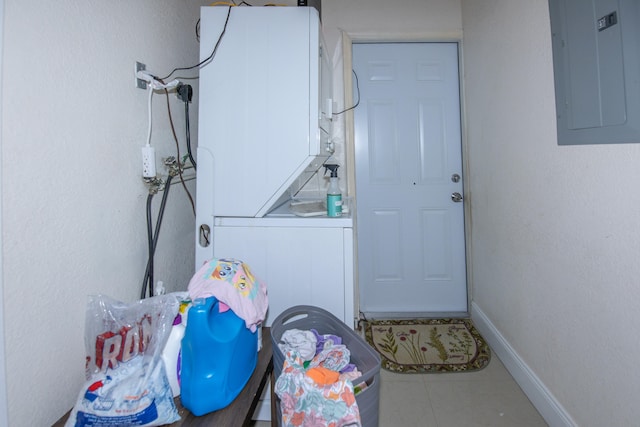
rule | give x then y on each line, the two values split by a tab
126	379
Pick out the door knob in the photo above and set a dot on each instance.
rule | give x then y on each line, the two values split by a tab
456	197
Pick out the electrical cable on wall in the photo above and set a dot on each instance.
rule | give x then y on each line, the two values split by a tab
149	272
149	110
186	97
188	135
152	238
180	169
149	173
211	56
185	93
219	3
357	91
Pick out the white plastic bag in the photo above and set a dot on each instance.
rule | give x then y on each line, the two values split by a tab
126	378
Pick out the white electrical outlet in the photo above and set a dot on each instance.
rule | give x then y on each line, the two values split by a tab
140	84
148	162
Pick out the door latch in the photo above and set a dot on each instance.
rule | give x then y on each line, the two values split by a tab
456	197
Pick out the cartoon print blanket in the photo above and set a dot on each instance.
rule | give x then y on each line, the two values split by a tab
232	283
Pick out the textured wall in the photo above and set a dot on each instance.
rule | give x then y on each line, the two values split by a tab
72	198
555	232
379	19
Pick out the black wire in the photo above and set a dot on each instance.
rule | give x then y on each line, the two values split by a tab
188	132
210	57
153	242
175	139
148	277
358	91
205	235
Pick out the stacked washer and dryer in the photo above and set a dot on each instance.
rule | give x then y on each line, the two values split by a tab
265	123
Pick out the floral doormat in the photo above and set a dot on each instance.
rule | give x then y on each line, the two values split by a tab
428	345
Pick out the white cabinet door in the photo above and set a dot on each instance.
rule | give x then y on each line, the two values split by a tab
300	265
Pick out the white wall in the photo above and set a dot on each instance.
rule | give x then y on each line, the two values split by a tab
373	19
73	203
3	372
555	235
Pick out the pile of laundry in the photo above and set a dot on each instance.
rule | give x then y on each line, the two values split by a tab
316	383
234	285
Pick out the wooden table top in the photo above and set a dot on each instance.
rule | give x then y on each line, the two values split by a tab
240	411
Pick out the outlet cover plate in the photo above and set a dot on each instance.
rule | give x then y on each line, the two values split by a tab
141	84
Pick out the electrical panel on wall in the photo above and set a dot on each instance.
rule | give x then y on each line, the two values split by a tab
596	62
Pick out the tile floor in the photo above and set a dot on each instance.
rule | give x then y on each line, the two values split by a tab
489	397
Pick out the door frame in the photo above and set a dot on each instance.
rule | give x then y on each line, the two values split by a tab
347	40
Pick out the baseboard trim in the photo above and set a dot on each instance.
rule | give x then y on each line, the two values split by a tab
543	400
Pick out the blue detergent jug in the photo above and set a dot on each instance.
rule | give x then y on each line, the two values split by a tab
218	357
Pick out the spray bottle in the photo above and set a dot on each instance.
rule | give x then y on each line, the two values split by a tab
334	197
172	353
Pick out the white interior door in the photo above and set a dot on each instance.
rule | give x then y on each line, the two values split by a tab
411	251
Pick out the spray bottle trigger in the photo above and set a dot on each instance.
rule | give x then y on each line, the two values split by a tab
333	168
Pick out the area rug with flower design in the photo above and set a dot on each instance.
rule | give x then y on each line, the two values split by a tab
428	345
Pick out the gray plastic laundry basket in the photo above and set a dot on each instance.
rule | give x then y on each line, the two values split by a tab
365	358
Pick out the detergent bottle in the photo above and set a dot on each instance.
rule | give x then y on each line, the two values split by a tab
334	197
218	357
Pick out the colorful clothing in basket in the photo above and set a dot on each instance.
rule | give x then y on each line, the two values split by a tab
309	404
